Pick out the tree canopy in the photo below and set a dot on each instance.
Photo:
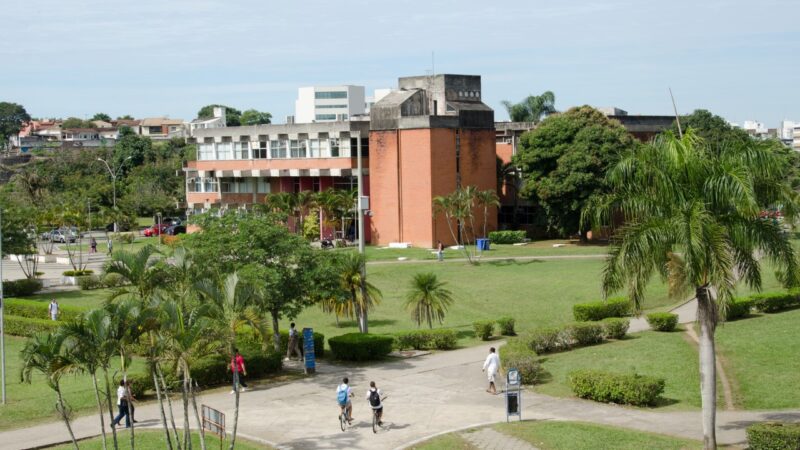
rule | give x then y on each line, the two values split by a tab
710	127
532	108
254	117
563	161
101	116
74	122
12	117
232	115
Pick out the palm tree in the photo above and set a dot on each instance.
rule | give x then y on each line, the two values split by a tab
283	203
363	294
427	299
691	213
532	108
487	199
44	353
304	201
140	269
457	210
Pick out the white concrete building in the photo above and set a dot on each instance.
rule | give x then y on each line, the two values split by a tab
329	103
219	120
786	130
796	137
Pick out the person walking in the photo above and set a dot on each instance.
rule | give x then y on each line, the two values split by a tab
122	404
131	401
239	371
110	246
440	251
93	245
53	309
293	346
491	366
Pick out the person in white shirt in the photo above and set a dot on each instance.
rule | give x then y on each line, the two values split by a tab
375	399
53	309
122	404
343	396
491	366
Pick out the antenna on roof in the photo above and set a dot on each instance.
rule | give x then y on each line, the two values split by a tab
677	118
433	63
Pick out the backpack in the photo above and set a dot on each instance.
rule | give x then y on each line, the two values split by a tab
341	397
374	398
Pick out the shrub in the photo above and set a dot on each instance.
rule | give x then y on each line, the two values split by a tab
516	355
90	282
21	288
739	307
629	389
773	436
507	237
426	339
214	371
506	325
171	241
544	340
24	326
593	311
583	333
112	280
77	273
444	339
484	329
33	309
662	321
615	327
775	301
360	346
319	343
140	384
125	238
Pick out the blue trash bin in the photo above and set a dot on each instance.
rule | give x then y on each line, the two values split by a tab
482	244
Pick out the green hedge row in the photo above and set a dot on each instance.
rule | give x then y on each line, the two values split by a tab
109	280
484	329
32	309
628	389
507	237
578	334
506	325
26	327
360	347
593	311
21	288
426	339
773	436
771	302
662	321
319	343
516	355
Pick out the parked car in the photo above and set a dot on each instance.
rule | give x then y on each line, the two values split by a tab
175	230
154	230
62	236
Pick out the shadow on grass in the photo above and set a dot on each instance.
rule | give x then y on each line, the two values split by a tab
511	262
372	323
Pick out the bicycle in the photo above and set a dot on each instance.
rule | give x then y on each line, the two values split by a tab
375	422
344	418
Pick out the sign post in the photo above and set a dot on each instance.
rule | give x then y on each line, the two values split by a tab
513	395
214	422
308	350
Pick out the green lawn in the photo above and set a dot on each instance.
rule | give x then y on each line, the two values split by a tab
82	299
761	355
584	436
452	441
139	242
151	439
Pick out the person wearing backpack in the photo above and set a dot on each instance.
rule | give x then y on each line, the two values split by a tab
343	395
374	398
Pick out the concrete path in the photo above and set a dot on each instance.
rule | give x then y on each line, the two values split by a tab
488	439
427	395
687	313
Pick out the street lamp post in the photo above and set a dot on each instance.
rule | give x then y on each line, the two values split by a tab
114	174
2	319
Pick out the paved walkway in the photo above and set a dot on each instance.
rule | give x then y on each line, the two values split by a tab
488	439
428	395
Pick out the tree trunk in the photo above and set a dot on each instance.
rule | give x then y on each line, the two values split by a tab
186	436
161	408
63	411
235	416
169	404
110	408
276	333
99	408
130	416
197	414
707	317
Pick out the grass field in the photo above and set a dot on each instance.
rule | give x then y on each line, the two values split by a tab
81	299
151	439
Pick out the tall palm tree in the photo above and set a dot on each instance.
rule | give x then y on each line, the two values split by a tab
691	213
45	353
457	208
363	294
532	109
428	299
487	199
284	203
140	269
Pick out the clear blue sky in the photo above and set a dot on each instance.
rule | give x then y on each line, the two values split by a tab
740	59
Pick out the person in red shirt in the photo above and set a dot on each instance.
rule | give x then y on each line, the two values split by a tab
239	371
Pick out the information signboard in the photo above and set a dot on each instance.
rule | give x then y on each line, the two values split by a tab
308	350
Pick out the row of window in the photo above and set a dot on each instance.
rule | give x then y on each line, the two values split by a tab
282	148
261	185
327	116
326	95
330	106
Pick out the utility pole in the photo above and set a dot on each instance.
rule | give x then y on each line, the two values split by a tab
360	212
114	174
2	318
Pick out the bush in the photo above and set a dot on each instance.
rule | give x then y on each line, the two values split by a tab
507	237
775	301
125	238
360	347
516	355
214	371
773	436
662	321
26	327
319	343
171	241
506	325
21	288
77	273
112	280
583	333
739	308
140	384
630	389
593	311
90	282
484	329
426	339
444	339
615	327
33	309
544	340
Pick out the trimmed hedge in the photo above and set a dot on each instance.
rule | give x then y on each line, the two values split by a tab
426	339
483	329
77	273
544	340
663	321
773	436
594	311
507	237
615	327
628	389
581	334
32	309
776	301
516	355
21	288
90	282
506	325
26	327
319	343
360	347
739	308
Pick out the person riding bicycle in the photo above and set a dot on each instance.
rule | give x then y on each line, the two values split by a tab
343	395
374	398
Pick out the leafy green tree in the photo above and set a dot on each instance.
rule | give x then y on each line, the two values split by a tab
74	122
486	199
428	299
364	296
562	163
691	214
12	117
532	108
254	117
711	127
138	148
232	115
19	233
125	117
101	116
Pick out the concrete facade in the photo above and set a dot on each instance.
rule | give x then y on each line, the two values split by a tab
329	103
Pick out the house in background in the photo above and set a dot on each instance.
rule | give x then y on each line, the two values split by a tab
161	128
217	121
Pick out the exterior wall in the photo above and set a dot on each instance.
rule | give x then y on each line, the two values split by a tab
280	164
505	151
479	169
384	199
443	174
307	106
416	187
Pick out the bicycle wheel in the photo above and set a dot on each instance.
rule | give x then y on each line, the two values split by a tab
374	421
343	420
